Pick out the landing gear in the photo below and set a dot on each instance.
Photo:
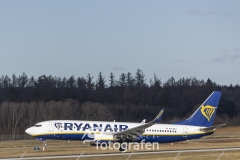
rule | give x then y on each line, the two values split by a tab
123	147
44	145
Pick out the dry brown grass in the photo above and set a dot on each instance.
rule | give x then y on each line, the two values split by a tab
228	129
224	137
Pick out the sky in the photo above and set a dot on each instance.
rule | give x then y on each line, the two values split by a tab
79	37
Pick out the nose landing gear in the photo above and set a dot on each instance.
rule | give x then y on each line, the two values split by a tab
44	145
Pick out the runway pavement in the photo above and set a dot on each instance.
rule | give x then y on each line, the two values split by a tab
124	154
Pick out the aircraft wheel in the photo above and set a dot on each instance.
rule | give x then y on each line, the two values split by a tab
123	147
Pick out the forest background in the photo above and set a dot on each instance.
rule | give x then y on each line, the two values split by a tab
25	100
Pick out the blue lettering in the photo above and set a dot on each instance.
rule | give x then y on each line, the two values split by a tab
68	125
115	128
108	127
123	127
95	127
78	126
87	126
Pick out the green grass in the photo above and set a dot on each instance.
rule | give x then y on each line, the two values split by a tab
226	137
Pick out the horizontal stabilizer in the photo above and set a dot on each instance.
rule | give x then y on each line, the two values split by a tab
212	127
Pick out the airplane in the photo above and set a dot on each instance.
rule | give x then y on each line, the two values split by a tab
199	124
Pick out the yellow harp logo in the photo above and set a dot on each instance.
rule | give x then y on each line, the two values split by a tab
208	111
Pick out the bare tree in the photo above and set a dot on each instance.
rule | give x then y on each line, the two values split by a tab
95	111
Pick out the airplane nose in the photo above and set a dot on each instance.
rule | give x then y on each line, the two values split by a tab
28	131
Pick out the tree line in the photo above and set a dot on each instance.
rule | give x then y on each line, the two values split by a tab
25	100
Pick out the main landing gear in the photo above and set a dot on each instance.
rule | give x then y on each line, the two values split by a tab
123	147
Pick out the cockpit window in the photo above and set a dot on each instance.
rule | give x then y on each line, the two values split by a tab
38	125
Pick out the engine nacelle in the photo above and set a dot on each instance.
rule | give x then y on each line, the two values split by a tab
104	137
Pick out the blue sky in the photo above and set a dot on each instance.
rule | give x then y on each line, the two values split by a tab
169	38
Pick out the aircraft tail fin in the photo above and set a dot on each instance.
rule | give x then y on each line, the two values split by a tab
204	115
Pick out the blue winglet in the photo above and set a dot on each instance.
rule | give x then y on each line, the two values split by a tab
159	116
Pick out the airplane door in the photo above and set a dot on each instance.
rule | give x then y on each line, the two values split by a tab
51	126
185	132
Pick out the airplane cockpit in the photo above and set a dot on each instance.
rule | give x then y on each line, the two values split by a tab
37	125
38	128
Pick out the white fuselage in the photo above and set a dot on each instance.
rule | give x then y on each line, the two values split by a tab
102	130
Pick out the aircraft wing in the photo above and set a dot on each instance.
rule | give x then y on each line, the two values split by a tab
138	131
212	127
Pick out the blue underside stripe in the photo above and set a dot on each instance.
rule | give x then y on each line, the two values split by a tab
150	138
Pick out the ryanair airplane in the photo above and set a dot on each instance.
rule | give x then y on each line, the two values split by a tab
196	126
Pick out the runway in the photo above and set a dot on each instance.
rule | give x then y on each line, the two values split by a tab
126	154
225	144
